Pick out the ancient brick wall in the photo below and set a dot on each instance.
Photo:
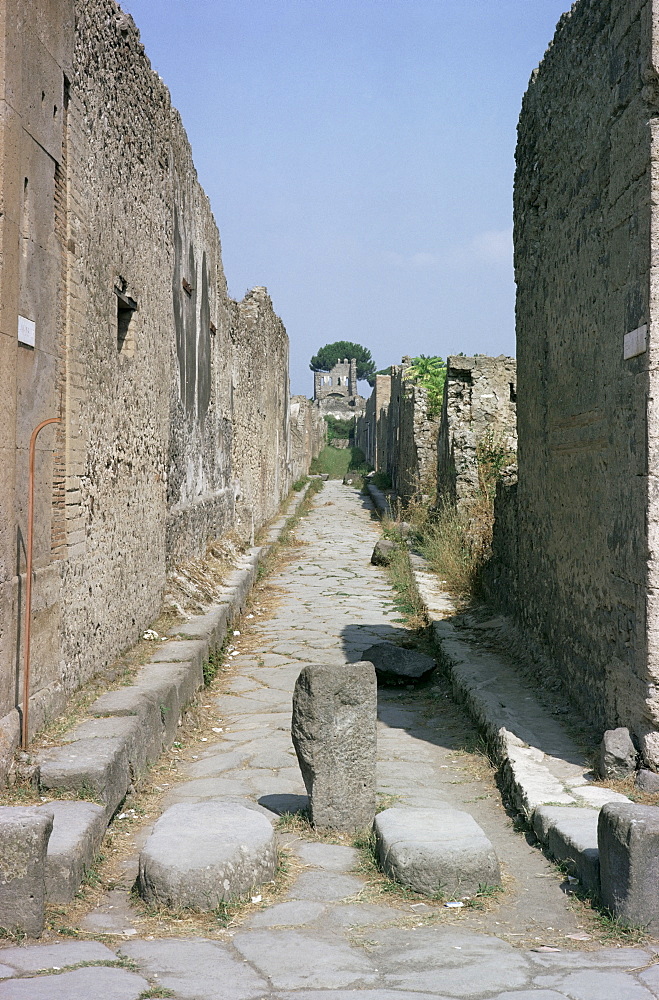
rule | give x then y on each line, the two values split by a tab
174	399
479	407
585	262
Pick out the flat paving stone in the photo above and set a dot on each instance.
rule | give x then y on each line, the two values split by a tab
361	995
296	913
36	957
293	960
531	995
196	970
458	964
82	984
331	857
590	985
217	764
325	886
363	915
208	788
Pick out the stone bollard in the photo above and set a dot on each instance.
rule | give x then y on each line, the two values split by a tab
628	842
24	835
334	734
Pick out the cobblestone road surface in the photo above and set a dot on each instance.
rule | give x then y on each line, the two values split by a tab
336	933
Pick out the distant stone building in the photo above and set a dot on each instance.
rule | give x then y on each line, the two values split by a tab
336	391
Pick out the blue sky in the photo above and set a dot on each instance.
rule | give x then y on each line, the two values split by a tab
359	158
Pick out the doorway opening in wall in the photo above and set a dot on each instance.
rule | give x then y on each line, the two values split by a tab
126	308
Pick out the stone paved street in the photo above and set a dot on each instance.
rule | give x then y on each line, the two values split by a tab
336	931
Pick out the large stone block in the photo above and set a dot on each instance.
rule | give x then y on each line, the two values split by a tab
617	754
435	851
334	734
628	838
382	552
24	835
128	729
393	663
135	701
570	836
201	853
95	767
78	830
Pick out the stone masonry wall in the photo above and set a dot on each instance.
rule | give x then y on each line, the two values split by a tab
260	404
585	260
412	436
308	431
372	428
174	399
397	435
479	406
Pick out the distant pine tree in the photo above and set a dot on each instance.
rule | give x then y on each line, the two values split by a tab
331	354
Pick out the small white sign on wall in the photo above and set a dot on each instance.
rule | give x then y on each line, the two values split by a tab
635	343
27	330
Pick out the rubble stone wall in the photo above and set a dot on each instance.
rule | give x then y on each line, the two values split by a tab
586	253
479	407
308	433
174	401
372	428
412	439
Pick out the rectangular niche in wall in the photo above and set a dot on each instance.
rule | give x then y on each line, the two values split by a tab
126	307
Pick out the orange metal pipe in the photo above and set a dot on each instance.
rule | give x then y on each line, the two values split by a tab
28	578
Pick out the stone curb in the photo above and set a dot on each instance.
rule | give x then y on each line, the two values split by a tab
127	729
541	771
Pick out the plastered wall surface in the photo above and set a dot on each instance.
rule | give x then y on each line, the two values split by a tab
585	260
479	406
174	399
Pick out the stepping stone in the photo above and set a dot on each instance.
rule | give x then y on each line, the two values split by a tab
201	853
393	663
78	830
435	851
334	735
24	835
570	835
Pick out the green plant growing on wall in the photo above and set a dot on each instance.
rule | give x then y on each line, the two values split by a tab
430	373
331	354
